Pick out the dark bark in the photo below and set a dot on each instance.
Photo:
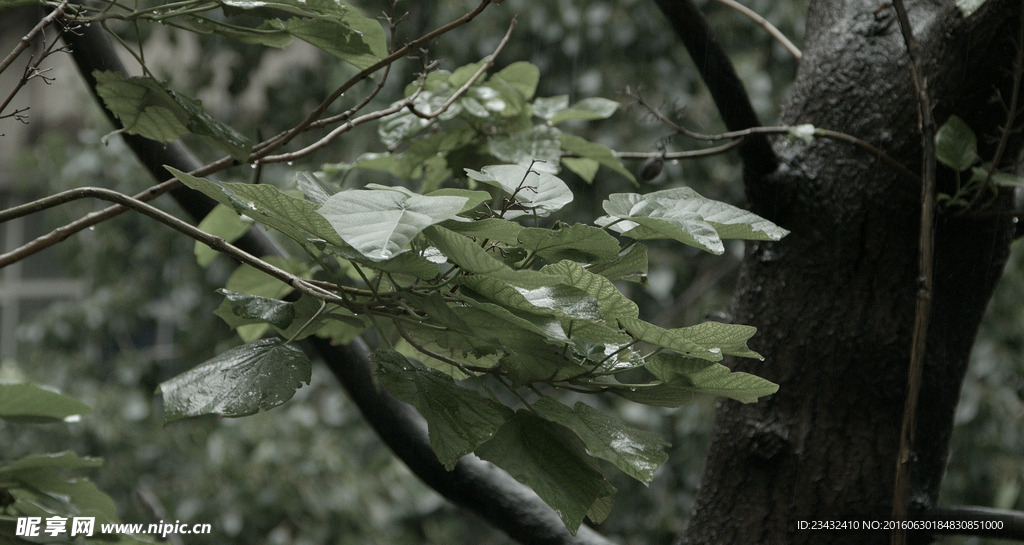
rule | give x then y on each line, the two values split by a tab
834	301
476	486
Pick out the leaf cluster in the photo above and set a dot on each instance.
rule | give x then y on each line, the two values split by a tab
485	303
35	486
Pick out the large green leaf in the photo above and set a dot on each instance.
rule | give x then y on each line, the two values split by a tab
30	403
682	214
244	380
263	35
612	303
707	341
351	37
458	419
558	300
587	109
655	394
580	243
147	108
709	378
541	144
490	229
536	192
523	76
296	218
636	452
551	460
379	224
630	265
472	258
54	460
44	492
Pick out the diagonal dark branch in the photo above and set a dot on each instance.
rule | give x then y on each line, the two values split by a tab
727	90
474	485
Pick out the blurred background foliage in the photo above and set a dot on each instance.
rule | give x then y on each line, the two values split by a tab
311	472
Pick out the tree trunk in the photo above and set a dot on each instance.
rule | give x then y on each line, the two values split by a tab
834	301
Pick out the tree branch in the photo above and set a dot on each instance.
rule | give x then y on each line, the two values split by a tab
727	90
926	258
474	485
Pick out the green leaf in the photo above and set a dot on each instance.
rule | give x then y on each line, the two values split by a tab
536	192
244	380
637	453
592	151
211	130
707	341
612	303
146	108
681	214
559	300
142	106
584	168
30	403
657	395
956	146
224	222
547	107
54	460
631	265
352	38
50	494
253	307
522	76
292	7
263	35
552	460
587	109
473	259
458	419
709	378
379	224
473	198
492	229
296	218
580	243
541	144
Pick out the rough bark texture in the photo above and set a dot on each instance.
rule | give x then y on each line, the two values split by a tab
834	301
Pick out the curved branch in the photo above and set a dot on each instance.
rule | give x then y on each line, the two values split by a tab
766	25
475	485
727	90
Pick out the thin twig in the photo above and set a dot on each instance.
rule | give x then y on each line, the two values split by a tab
922	311
32	68
260	150
407	103
367	72
763	23
26	40
674	155
818	132
214	242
